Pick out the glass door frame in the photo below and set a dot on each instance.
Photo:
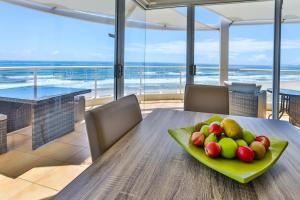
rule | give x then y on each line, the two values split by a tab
119	49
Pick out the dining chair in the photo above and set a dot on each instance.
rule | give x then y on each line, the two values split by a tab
108	123
206	98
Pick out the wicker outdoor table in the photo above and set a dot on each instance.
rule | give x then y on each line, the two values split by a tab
52	109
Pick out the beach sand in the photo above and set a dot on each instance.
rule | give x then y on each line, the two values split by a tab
283	85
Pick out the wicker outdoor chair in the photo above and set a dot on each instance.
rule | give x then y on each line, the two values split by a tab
294	110
247	100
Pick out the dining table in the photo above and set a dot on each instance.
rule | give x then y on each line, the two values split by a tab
148	164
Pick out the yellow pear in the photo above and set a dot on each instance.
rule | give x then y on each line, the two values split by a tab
231	128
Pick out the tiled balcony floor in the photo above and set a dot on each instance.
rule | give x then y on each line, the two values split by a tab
40	174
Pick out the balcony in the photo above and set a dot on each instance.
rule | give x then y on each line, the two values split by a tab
152	49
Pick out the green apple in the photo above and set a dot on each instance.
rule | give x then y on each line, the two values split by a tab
248	136
205	130
211	138
229	147
241	142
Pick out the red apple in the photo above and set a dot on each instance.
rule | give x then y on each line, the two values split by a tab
245	153
198	139
263	139
216	129
213	149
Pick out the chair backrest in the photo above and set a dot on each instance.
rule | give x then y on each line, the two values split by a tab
249	88
108	123
206	98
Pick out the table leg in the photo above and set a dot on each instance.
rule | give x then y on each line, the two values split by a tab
282	107
52	119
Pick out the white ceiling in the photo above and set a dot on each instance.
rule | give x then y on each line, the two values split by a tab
152	4
103	11
257	12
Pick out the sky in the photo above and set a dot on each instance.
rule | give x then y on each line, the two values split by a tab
32	35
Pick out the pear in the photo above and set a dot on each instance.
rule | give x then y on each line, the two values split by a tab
248	136
259	150
214	118
198	126
211	138
231	128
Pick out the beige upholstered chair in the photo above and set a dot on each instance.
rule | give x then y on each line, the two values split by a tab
206	98
108	123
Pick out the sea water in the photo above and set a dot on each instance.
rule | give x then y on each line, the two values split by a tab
139	77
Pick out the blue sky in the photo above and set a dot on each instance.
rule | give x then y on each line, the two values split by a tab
31	35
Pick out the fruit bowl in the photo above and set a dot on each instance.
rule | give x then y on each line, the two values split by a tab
233	168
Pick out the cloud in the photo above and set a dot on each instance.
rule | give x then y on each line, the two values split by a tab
237	46
291	44
247	50
260	58
247	45
55	52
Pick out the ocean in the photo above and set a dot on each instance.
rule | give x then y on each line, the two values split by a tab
139	77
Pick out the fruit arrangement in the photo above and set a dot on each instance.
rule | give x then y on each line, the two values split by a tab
226	138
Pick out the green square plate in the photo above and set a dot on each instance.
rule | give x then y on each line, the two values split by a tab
233	168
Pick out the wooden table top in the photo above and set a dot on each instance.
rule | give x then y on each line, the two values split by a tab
148	164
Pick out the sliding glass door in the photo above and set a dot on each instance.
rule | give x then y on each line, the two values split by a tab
134	56
47	49
207	45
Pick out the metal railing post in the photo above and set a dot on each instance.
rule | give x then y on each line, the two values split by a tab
95	84
140	83
180	82
35	77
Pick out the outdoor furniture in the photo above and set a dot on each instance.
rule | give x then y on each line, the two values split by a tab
108	123
289	104
18	114
206	98
294	110
3	133
247	100
79	108
52	109
148	164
